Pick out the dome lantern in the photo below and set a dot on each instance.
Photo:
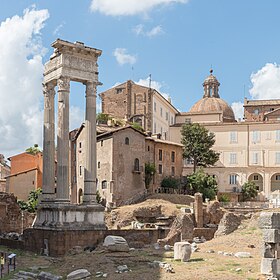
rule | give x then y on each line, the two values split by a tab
211	86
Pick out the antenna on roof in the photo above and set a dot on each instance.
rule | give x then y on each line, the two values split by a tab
150	80
132	73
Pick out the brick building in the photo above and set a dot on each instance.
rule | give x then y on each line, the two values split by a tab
140	104
121	157
26	174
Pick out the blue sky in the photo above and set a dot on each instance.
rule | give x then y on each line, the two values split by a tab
176	41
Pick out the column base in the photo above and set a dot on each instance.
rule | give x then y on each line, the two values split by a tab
65	216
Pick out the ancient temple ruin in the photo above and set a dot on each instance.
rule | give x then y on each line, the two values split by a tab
69	62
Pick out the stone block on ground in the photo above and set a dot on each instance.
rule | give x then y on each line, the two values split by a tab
182	251
243	255
269	220
271	235
78	274
48	276
116	243
229	223
270	266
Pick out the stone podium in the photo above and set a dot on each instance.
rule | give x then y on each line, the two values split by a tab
69	62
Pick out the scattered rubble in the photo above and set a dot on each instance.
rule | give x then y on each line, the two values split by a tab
116	244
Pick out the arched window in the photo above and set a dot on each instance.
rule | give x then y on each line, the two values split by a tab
104	185
80	196
136	165
126	141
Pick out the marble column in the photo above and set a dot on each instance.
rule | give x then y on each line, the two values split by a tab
90	130
63	140
48	144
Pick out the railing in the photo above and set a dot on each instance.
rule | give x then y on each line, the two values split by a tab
171	191
246	204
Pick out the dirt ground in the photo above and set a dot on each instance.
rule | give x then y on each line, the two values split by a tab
202	266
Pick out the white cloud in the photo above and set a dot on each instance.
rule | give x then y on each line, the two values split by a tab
237	108
128	7
123	57
139	30
57	30
21	71
266	82
154	84
76	117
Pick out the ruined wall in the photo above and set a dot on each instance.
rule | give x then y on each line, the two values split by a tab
60	241
11	219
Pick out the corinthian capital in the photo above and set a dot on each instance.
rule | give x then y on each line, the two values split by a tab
90	88
48	89
63	84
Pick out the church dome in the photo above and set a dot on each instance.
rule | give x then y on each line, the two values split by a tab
211	101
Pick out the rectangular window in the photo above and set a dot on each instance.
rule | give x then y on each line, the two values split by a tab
256	177
188	120
173	156
232	158
277	158
268	136
159	169
80	170
172	119
155	128
233	137
233	179
104	185
255	158
277	136
80	145
160	155
256	136
166	116
172	171
277	177
160	111
155	106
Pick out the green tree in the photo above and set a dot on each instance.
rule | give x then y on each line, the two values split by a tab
102	118
198	141
137	126
203	183
249	190
33	150
170	183
33	199
150	170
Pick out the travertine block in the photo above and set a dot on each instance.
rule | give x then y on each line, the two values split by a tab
269	220
271	235
270	266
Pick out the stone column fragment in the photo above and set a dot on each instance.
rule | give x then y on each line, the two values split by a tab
49	143
198	209
63	140
90	130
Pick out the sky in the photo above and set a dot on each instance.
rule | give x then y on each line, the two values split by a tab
174	41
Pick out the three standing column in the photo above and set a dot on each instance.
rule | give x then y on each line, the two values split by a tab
63	84
49	143
90	160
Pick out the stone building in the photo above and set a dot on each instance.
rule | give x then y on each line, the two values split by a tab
249	150
167	157
26	174
140	104
4	172
121	157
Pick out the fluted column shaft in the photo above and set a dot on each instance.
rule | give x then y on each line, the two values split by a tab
48	144
63	139
90	160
